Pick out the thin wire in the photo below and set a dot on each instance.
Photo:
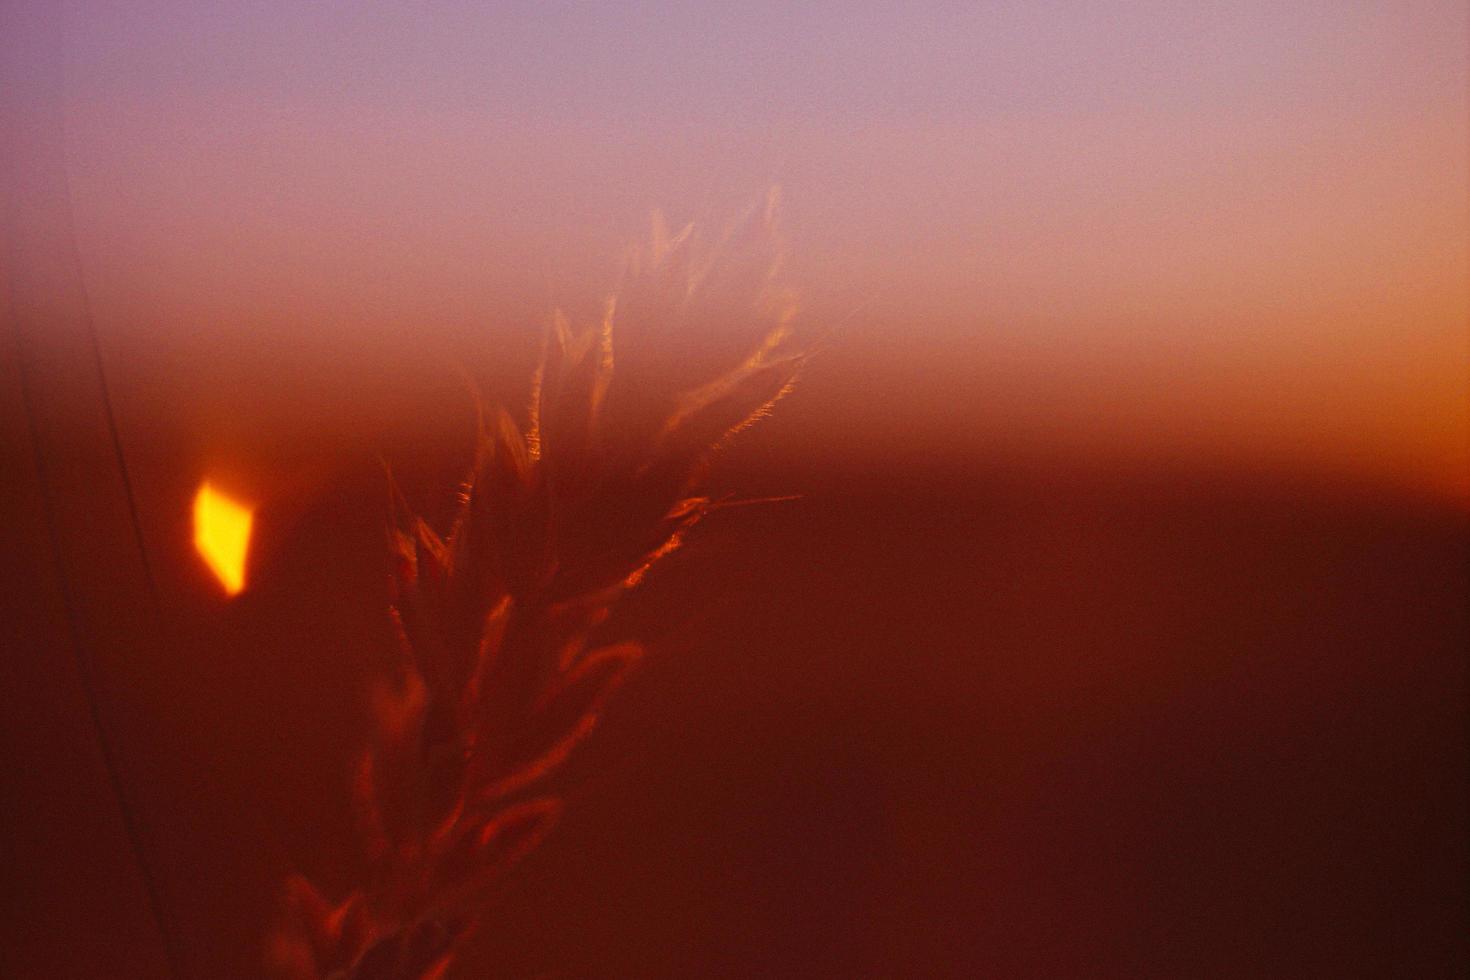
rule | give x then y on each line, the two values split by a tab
87	674
85	668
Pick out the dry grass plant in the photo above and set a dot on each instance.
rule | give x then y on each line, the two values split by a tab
560	516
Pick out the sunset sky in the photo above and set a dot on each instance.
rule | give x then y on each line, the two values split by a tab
1102	611
1224	232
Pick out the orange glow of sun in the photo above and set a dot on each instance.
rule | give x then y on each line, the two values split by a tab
222	536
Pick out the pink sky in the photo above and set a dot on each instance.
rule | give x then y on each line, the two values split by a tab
1180	230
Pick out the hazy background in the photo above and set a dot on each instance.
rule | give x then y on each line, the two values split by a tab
1232	234
1118	630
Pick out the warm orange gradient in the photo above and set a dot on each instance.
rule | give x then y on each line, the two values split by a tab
222	536
1231	237
1118	619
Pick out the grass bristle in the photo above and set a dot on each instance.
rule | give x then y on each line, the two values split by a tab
498	680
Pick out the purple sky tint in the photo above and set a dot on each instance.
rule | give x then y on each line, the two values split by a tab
1256	210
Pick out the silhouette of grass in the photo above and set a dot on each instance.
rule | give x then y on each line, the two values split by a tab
498	680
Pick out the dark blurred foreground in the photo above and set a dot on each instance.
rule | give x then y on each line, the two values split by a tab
1013	723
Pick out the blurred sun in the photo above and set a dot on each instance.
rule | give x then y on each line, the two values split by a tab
222	536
